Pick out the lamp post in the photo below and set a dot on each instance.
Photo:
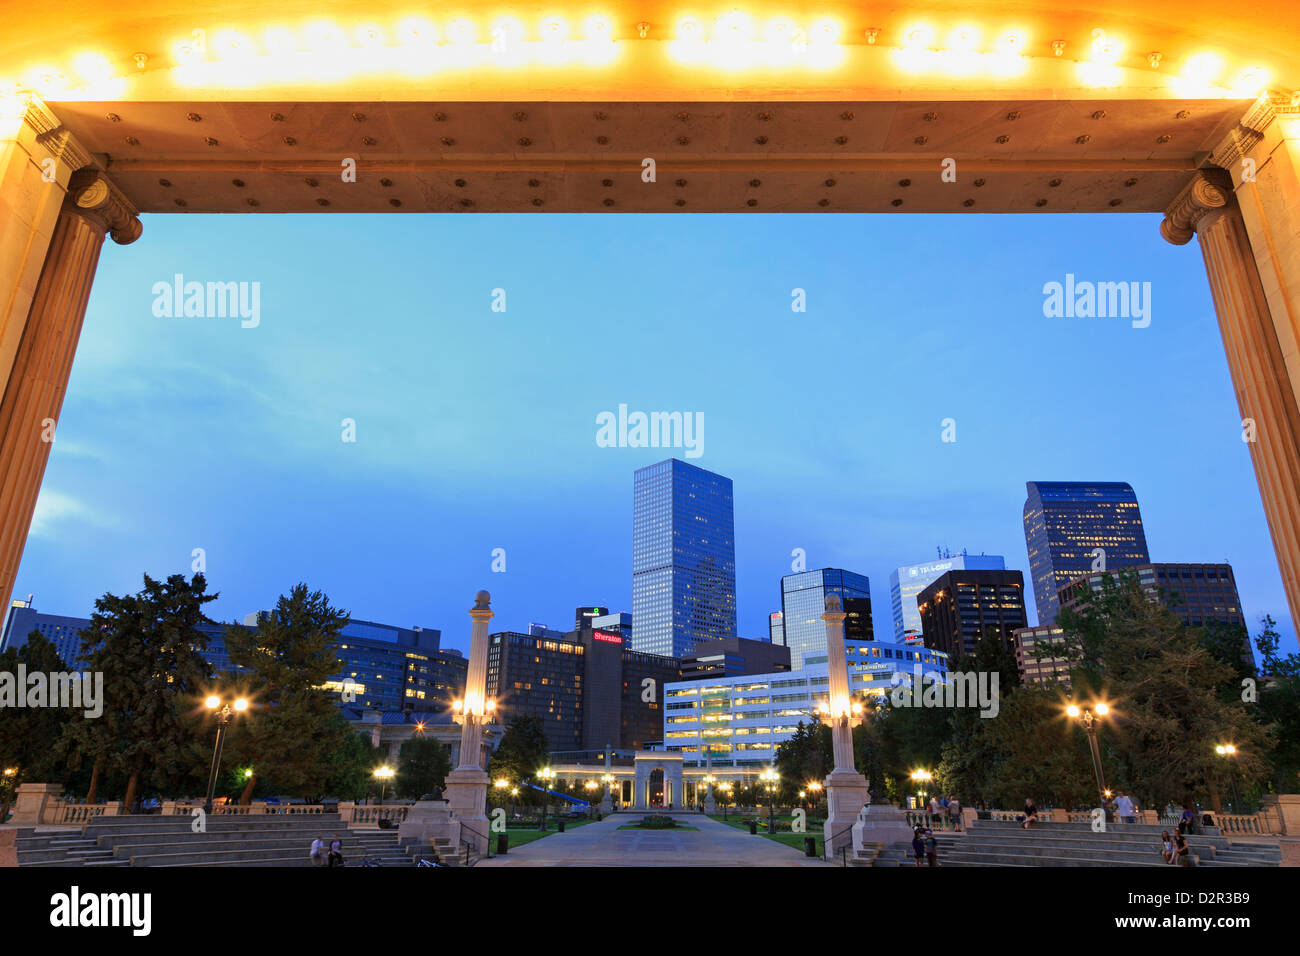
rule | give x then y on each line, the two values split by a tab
467	785
921	778
1230	752
224	711
1088	716
608	780
770	778
815	788
726	799
383	775
545	775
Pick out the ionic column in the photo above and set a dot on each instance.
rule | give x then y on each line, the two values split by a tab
38	379
1258	329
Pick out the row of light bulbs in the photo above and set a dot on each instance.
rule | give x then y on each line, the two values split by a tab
732	40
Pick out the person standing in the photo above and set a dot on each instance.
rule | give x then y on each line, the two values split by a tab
954	812
1125	807
931	849
918	845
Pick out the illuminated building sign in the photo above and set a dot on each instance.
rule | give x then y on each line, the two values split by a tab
606	637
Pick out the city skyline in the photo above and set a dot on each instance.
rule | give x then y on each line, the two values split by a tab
182	434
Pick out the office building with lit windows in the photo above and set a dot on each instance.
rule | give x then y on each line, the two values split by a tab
803	601
963	607
588	688
741	721
683	558
734	657
390	668
906	582
1070	525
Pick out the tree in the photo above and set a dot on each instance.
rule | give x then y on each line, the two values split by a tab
28	734
152	655
422	764
1167	687
350	765
294	727
806	756
523	751
1279	705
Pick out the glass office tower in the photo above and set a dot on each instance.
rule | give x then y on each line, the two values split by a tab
803	601
683	558
1066	522
907	582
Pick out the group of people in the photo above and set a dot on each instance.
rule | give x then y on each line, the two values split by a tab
925	846
1123	806
946	807
330	854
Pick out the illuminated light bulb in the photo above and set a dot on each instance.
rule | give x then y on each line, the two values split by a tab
1251	81
94	67
326	38
734	27
1105	49
1202	68
188	52
689	30
824	31
280	42
598	28
964	39
554	30
415	31
918	37
461	31
231	45
370	37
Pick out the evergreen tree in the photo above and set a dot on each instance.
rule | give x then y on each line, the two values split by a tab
422	764
28	734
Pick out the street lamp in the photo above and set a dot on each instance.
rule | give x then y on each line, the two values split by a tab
224	711
1088	717
546	774
608	780
383	775
1230	752
726	799
921	778
770	778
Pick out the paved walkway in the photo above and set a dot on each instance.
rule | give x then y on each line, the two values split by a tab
604	844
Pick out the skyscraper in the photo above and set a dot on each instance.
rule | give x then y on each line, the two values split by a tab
961	608
1076	527
907	582
803	601
683	558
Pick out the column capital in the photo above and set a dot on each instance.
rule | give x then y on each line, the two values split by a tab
94	196
1208	191
28	109
1250	129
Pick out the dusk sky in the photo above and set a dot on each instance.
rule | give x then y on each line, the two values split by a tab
476	429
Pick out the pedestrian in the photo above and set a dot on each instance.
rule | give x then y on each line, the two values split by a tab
318	851
934	811
1182	853
1031	812
1125	807
954	813
336	851
1167	846
931	849
1187	823
918	845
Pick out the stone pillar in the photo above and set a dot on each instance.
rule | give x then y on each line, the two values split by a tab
846	789
1247	216
31	801
467	784
51	231
641	788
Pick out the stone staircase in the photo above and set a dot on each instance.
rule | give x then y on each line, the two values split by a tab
229	840
998	843
446	854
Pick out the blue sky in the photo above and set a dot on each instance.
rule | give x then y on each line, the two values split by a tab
476	429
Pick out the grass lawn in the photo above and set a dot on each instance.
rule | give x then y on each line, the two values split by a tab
785	837
522	835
